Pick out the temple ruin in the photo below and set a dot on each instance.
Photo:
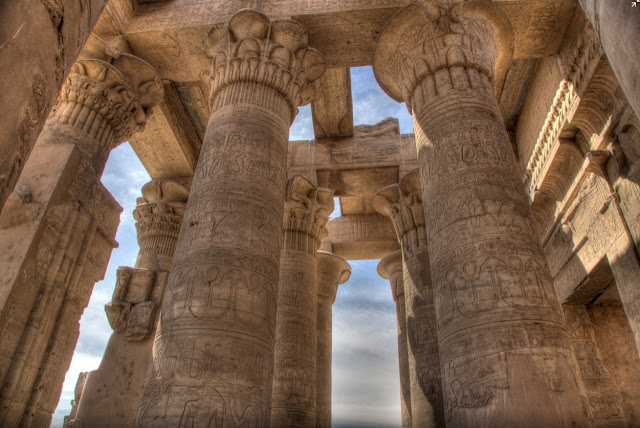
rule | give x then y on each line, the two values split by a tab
507	223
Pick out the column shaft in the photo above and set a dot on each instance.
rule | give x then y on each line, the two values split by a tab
214	347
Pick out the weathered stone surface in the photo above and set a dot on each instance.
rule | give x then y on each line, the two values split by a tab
220	308
390	267
477	214
333	109
58	230
37	54
307	209
110	395
332	271
403	203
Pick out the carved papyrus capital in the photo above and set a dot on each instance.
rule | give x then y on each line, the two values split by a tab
159	215
132	310
253	48
108	94
390	267
443	46
402	202
306	211
332	271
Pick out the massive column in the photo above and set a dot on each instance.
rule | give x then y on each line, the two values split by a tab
306	211
505	354
402	202
37	54
213	351
390	267
57	230
332	271
111	394
618	24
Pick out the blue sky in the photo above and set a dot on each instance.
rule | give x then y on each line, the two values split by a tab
366	391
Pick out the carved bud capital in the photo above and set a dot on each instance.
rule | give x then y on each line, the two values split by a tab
253	48
390	267
159	215
421	40
307	209
108	94
402	202
332	271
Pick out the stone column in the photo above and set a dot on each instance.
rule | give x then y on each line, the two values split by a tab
57	230
111	395
505	354
332	271
617	23
390	267
37	54
213	351
294	379
402	202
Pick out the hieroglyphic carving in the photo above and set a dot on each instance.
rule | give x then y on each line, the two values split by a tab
332	271
294	385
222	290
493	293
403	203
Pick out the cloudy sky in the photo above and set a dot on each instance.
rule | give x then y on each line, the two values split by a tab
366	389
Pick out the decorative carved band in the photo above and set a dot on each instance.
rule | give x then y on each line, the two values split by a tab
442	45
580	66
159	215
402	202
306	212
254	49
108	94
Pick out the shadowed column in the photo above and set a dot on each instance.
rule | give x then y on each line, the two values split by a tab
294	380
402	202
390	267
213	351
505	354
57	231
332	271
111	394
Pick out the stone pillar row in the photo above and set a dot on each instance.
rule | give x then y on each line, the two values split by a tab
402	202
111	394
306	211
214	348
505	352
57	229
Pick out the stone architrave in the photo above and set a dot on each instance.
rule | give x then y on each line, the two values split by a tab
111	394
213	351
37	54
500	328
306	211
402	202
390	267
332	271
57	230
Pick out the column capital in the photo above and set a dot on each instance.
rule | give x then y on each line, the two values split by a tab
159	213
252	48
307	208
402	202
441	43
332	271
108	94
390	267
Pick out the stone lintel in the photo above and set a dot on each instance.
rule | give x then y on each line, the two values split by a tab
165	33
169	146
333	109
361	237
